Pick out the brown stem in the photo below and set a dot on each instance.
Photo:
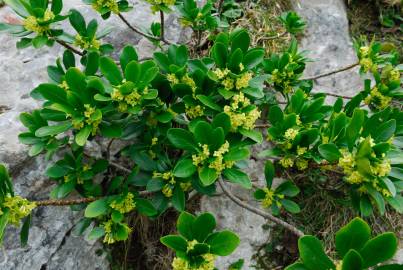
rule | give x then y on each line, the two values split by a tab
69	47
335	95
274	37
136	30
257	211
77	201
332	72
162	25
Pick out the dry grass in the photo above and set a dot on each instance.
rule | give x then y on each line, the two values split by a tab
261	20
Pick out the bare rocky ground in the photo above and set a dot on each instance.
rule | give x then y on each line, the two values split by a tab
51	244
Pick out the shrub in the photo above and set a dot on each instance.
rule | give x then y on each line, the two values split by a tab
189	122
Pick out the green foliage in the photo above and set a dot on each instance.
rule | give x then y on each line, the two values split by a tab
198	244
188	118
355	250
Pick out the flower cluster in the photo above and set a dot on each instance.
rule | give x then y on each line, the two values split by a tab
182	264
270	197
18	208
111	5
218	163
185	79
132	99
169	177
241	112
85	43
93	118
110	234
230	82
379	169
156	4
39	25
365	60
377	99
194	111
124	205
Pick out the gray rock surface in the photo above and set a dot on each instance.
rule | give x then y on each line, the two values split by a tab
329	45
51	245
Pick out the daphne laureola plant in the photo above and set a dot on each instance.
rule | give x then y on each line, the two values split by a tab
189	120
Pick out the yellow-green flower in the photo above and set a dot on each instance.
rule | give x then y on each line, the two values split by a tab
194	111
126	205
291	133
239	118
39	25
243	81
268	199
111	5
287	162
83	43
18	208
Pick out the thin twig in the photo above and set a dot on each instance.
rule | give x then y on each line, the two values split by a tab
274	37
257	211
334	95
162	25
78	201
135	29
332	72
69	47
120	167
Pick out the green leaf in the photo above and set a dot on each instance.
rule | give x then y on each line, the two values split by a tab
253	58
296	266
236	154
78	22
385	131
269	172
223	243
182	139
57	6
252	134
329	151
96	233
3	223
25	230
390	267
128	54
52	93
352	261
312	253
209	102
82	135
240	40
203	226
56	171
178	199
96	208
396	202
288	189
354	127
52	130
365	206
176	242
111	131
145	207
207	176
379	249
185	225
290	206
352	236
110	70
238	177
219	53
184	168
276	115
